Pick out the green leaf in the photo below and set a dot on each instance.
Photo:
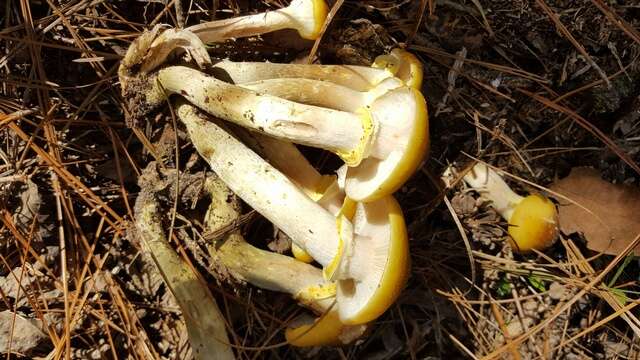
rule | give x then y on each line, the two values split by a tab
537	283
620	269
620	295
504	288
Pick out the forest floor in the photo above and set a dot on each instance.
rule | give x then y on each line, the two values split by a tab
539	89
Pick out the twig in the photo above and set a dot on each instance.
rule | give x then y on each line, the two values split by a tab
616	20
416	27
179	14
513	348
5	119
327	22
467	244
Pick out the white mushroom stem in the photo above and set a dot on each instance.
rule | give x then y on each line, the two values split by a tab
326	94
306	16
285	157
359	78
205	323
258	267
341	132
275	272
322	93
272	194
490	185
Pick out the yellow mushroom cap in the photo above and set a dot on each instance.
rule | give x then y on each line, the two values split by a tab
405	109
534	224
300	254
323	331
312	15
411	73
403	65
320	12
381	227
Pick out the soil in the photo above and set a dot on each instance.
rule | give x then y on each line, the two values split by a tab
534	88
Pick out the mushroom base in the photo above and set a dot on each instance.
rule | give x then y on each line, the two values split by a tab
142	98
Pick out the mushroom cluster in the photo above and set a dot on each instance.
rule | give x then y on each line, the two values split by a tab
373	118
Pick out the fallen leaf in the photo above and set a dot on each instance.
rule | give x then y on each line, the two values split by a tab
606	214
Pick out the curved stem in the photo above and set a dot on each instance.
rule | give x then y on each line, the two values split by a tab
305	16
286	157
261	268
322	93
338	97
358	78
243	26
313	92
493	188
205	323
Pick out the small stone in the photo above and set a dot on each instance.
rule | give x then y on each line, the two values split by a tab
530	305
584	323
615	349
26	337
556	290
98	282
515	328
464	204
141	313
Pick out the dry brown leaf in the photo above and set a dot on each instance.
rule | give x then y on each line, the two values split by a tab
607	214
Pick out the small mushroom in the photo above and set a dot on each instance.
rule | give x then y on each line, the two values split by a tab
305	16
277	272
153	47
403	64
368	256
533	220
